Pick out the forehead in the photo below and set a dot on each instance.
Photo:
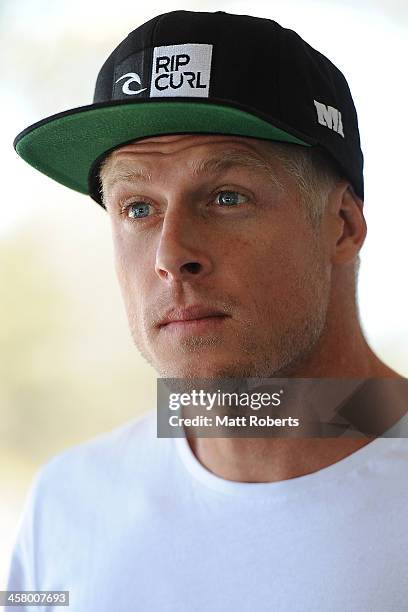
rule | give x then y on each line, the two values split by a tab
190	139
199	153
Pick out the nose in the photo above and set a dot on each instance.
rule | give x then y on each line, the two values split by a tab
181	253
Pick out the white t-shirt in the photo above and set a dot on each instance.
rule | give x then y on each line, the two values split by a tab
128	521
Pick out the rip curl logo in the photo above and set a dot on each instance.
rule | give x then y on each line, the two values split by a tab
329	117
132	77
181	70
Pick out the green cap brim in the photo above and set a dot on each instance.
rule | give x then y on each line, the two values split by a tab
66	146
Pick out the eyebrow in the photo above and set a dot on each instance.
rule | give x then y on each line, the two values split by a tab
213	165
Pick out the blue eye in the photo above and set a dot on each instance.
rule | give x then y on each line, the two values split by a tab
229	198
140	209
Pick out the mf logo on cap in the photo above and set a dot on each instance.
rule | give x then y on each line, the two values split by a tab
329	117
181	70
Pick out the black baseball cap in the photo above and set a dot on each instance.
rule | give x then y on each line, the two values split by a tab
187	72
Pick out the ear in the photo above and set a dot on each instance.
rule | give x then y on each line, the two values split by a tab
348	227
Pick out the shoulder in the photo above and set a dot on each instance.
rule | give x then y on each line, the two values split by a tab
136	434
87	470
76	493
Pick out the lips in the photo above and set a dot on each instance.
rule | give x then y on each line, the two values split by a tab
190	313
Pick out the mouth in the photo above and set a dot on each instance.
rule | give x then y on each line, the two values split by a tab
201	324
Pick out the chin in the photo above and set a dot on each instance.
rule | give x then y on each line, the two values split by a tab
205	369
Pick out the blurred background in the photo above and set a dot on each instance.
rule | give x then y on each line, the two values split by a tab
68	369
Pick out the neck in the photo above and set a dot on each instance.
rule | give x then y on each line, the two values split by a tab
342	352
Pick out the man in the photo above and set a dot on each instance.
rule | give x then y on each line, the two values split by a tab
237	220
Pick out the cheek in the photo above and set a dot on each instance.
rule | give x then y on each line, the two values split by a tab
127	252
276	269
130	265
121	256
259	258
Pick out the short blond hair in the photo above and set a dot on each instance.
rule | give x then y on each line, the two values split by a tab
313	171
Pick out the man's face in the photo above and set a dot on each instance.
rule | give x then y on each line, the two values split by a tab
227	239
